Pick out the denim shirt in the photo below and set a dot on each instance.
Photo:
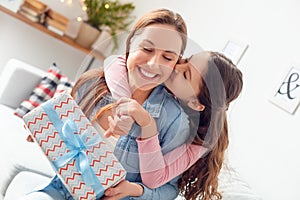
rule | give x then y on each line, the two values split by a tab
173	130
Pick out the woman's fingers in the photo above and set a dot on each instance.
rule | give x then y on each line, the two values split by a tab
29	138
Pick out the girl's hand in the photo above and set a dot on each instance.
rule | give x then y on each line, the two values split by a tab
132	108
139	114
123	189
126	112
119	125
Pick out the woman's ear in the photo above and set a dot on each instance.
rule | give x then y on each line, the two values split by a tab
195	105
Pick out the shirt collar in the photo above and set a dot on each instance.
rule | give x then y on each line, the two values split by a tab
155	101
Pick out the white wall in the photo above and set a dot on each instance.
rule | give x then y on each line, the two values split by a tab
264	139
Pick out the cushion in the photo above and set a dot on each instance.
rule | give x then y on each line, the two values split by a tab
65	85
17	80
42	92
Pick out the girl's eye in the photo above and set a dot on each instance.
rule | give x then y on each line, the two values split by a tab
184	75
187	75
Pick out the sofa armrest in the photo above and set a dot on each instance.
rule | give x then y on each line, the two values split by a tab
17	81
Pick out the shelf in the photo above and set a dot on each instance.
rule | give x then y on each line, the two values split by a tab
42	28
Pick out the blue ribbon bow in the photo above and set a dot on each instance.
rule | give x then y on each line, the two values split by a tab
77	145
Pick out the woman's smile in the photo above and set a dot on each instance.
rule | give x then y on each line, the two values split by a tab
147	75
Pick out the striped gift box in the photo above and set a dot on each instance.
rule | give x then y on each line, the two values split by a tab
82	159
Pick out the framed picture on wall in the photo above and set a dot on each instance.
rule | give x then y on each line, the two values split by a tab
287	93
234	50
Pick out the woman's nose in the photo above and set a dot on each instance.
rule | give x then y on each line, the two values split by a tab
153	60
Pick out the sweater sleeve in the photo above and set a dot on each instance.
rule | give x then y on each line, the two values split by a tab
116	77
157	169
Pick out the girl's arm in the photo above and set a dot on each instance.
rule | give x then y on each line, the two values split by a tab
157	169
116	77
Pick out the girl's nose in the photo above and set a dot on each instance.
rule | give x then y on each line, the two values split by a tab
181	68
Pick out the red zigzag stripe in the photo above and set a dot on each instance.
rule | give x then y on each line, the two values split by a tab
112	178
48	138
67	113
67	166
106	167
62	103
42	128
36	119
102	156
73	177
87	195
94	147
54	147
77	187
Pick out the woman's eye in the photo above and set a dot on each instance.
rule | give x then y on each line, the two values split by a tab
168	58
147	49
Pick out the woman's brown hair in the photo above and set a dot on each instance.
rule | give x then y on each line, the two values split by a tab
160	16
221	84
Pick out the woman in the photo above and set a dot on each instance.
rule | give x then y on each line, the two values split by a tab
165	33
217	82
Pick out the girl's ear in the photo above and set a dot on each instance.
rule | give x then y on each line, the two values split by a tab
195	105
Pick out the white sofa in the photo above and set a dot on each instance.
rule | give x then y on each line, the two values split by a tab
16	83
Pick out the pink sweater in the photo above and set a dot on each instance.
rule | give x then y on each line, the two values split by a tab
156	169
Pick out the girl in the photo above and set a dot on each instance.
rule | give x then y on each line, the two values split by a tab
217	82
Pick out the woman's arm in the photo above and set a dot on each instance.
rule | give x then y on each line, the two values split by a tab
157	169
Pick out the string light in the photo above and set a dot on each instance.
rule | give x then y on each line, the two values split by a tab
106	6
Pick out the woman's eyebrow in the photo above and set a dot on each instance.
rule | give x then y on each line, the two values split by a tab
149	41
152	43
173	52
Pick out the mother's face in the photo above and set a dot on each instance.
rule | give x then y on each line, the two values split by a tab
186	80
154	51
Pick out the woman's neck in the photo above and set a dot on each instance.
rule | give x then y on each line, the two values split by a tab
141	95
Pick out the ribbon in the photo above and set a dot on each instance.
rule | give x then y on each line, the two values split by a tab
77	145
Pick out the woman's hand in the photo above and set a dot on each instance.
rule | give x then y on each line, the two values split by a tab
123	189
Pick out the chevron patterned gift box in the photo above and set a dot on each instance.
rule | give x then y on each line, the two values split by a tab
82	159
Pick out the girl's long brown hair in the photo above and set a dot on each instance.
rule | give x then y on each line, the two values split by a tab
200	181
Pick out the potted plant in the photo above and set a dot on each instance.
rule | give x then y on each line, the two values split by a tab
105	13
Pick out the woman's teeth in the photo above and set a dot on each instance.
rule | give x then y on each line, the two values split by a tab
147	74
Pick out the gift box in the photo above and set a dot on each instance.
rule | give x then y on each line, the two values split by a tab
82	159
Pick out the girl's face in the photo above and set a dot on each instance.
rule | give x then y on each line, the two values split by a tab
153	55
186	80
